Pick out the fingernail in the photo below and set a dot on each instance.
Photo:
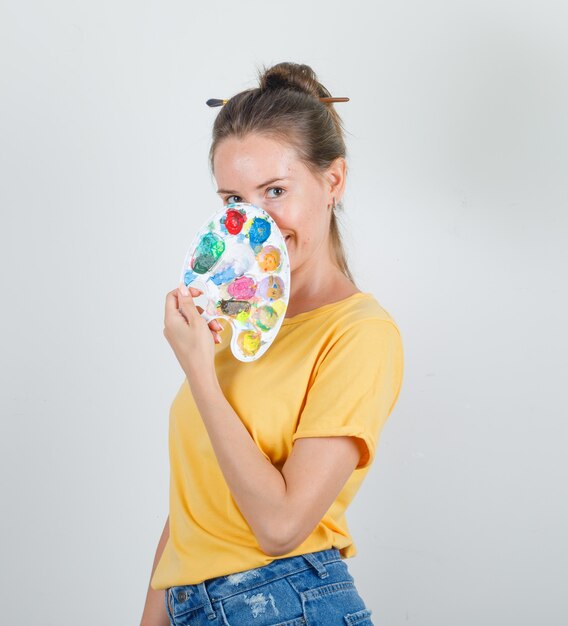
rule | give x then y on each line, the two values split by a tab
217	338
184	290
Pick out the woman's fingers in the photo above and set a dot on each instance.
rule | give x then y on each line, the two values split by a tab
189	291
218	327
181	296
193	291
215	325
171	308
187	305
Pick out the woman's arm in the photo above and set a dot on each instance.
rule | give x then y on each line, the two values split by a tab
282	509
155	613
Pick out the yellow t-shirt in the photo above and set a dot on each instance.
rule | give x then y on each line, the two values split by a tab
335	370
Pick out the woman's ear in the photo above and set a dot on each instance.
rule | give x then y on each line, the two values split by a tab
335	176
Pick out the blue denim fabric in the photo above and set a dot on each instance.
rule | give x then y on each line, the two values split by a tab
314	589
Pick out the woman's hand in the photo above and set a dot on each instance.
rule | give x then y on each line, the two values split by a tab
190	336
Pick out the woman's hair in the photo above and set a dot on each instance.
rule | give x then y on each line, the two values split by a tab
286	106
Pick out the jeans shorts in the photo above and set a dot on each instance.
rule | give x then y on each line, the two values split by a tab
314	589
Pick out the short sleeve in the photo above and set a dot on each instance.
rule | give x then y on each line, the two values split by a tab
356	386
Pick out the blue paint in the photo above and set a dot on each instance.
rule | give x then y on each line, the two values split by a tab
224	276
259	231
189	277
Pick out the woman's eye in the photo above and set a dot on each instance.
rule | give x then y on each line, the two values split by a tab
279	189
229	201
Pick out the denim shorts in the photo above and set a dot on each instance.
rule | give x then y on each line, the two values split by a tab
314	589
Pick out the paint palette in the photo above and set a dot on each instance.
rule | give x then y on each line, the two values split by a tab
239	260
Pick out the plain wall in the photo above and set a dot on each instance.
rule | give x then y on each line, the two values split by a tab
455	219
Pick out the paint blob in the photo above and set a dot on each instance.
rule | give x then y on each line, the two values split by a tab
259	231
243	287
271	288
269	259
209	250
233	221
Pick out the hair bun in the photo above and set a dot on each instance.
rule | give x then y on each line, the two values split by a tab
293	76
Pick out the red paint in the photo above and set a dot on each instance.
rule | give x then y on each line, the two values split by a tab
234	221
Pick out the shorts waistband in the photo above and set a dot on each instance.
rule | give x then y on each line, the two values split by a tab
184	598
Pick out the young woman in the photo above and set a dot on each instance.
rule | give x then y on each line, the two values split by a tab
266	456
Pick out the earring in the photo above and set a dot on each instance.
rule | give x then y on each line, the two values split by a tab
332	206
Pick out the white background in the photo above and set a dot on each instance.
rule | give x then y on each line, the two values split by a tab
455	219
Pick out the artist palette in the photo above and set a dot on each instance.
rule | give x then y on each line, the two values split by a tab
239	259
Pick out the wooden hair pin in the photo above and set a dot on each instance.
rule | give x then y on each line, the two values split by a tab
215	102
334	99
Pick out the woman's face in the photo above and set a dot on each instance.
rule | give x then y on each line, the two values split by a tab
266	172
